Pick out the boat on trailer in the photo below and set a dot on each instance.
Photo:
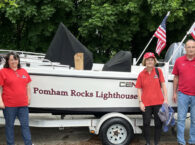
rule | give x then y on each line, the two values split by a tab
59	89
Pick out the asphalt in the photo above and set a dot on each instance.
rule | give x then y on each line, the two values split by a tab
81	136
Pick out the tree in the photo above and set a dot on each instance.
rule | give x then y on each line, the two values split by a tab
103	26
108	26
181	18
32	24
3	3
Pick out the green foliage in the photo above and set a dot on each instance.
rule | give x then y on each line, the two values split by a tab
103	26
108	26
4	3
31	25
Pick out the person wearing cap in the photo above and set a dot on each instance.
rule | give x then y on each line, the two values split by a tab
184	92
151	96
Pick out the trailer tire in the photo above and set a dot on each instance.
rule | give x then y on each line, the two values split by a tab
116	131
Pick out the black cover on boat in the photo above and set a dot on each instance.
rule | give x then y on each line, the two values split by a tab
64	46
120	62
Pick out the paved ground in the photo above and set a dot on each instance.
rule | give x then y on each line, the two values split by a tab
72	136
77	136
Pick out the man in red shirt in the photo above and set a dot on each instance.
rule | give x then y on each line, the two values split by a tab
184	83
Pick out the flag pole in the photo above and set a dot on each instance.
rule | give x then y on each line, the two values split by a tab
177	48
145	49
188	32
191	28
168	13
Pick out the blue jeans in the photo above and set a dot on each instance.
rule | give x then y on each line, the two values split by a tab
184	101
10	114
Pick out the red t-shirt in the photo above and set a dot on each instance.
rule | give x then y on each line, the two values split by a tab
14	84
185	69
150	85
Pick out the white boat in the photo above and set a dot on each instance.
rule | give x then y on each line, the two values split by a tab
65	91
60	89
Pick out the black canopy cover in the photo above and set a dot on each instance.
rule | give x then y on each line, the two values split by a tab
64	46
120	62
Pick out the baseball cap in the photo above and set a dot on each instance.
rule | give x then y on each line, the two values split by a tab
148	55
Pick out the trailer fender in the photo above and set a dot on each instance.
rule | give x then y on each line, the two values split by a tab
113	115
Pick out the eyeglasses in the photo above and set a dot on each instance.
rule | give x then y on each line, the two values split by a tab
190	47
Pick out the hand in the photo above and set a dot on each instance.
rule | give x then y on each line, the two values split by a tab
142	107
174	97
29	101
2	105
165	101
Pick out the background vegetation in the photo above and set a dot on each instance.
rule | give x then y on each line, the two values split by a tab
103	26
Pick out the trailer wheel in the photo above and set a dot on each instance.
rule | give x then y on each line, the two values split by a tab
116	131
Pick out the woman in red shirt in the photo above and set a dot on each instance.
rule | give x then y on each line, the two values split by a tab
15	97
150	95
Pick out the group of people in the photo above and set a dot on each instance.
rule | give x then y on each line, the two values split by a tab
152	93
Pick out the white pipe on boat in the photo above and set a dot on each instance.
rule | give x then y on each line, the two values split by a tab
188	32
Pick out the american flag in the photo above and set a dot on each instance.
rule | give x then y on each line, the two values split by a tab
161	35
192	30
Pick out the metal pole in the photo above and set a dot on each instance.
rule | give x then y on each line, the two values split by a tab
178	47
144	49
188	32
168	13
191	29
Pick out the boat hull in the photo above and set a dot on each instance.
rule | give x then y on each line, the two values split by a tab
84	92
